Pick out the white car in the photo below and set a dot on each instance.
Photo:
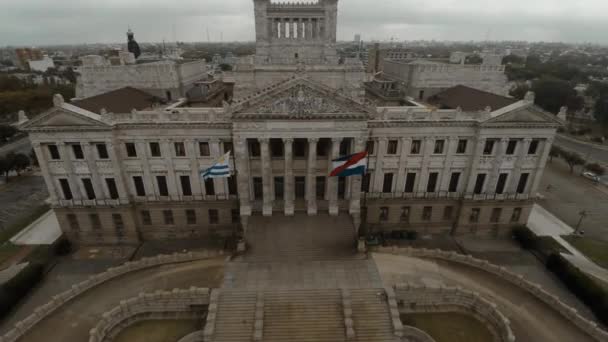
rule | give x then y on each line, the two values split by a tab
592	176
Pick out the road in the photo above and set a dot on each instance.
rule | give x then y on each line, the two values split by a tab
596	153
22	145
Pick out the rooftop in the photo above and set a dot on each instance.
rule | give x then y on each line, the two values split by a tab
122	100
469	99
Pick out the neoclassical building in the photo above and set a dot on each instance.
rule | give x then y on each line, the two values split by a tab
134	176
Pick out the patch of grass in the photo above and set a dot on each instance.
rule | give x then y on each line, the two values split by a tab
449	327
157	331
596	250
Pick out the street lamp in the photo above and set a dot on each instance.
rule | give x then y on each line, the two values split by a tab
583	214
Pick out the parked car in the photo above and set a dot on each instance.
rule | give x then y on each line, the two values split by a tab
590	175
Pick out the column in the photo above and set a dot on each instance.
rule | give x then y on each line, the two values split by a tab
167	152
311	174
540	168
44	169
378	179
89	154
266	177
498	158
427	150
288	183
521	158
119	172
333	181
474	162
281	28
241	156
309	26
216	153
300	28
289	28
142	151
354	207
192	152
273	29
449	156
406	145
69	169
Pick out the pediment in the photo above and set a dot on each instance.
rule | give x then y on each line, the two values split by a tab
525	115
60	117
299	99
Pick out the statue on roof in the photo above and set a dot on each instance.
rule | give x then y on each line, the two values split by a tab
132	45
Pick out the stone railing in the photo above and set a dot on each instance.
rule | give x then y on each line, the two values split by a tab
40	313
569	313
196	336
158	305
416	299
411	334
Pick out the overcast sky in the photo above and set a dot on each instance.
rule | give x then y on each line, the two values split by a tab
41	22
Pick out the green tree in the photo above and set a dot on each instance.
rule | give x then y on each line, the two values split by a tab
226	67
600	110
34	158
6	132
20	163
552	94
5	167
519	91
573	159
555	151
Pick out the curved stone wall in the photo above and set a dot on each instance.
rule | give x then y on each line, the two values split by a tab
571	314
196	336
57	301
412	334
147	306
422	299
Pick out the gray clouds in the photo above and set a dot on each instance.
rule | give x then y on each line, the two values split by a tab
40	22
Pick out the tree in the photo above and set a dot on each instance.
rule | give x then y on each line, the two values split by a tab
513	59
226	67
473	59
5	167
552	94
555	152
20	162
573	159
7	131
600	109
519	91
34	158
596	168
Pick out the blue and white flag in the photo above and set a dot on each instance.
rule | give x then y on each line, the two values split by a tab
221	169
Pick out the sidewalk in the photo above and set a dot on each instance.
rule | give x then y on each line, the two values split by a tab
543	223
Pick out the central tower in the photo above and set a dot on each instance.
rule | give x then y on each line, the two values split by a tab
291	33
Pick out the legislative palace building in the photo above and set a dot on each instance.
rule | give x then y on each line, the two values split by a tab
121	174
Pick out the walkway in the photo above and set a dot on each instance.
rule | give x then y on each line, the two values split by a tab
543	223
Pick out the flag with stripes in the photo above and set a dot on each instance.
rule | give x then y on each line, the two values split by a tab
221	169
351	165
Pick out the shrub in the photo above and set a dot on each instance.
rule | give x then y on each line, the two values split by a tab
20	285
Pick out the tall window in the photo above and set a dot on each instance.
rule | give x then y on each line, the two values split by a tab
511	146
387	186
431	186
161	181
502	181
95	221
410	180
138	182
102	151
523	182
190	216
146	218
77	149
254	148
341	187
299	148
479	183
391	148
73	222
209	187
448	211
474	217
439	145
405	214
462	146
300	187
454	179
65	188
131	150
533	146
168	216
516	215
88	188
322	147
186	188
227	146
54	152
214	217
320	185
416	146
203	148
495	217
489	147
155	149
232	188
427	213
365	182
119	225
369	147
180	149
279	188
383	214
276	148
235	215
258	188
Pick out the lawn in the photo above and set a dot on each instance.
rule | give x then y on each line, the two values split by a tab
449	327
596	250
157	331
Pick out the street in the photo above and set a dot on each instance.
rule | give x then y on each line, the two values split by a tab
587	151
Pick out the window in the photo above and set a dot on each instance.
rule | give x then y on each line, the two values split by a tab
454	179
88	188
500	184
168	216
344	148
276	148
416	144
186	188
427	213
448	212
474	217
214	217
190	216
479	183
279	188
405	214
54	152
391	148
235	216
511	146
523	181
146	219
73	222
431	186
533	146
489	147
209	187
254	148
155	149
369	147
383	214
516	215
320	185
258	188
77	149
138	182
365	182
439	145
410	180
228	146
65	188
322	147
421	95
102	151
131	150
462	146
387	186
180	149
95	221
341	187
161	181
300	187
299	148
495	217
119	225
232	188
203	148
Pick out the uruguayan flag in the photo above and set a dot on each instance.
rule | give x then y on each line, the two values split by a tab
221	169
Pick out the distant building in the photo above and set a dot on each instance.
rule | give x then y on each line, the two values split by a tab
357	38
24	55
377	54
41	65
469	99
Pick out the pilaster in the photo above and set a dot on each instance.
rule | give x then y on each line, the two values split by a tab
311	174
540	167
427	151
195	169
333	181
497	164
473	164
406	145
69	169
98	187
289	185
216	153
266	177
167	152
241	156
376	184
46	174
